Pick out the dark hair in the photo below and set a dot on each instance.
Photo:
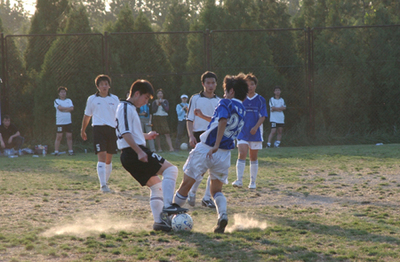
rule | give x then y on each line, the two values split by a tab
160	90
208	74
251	77
143	86
61	88
6	117
100	78
277	87
239	85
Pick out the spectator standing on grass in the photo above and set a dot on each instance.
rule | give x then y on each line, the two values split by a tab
10	137
101	108
181	110
251	138
64	107
160	108
205	101
277	117
145	120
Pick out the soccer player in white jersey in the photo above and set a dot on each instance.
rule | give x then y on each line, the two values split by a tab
140	162
250	139
277	117
64	107
101	108
206	101
213	153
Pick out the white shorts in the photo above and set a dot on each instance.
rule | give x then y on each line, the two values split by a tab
198	163
254	145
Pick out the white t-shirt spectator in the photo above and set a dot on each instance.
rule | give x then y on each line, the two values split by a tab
63	118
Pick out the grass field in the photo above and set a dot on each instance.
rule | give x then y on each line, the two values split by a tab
336	203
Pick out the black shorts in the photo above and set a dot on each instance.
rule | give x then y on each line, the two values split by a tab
275	125
64	128
197	135
141	171
104	139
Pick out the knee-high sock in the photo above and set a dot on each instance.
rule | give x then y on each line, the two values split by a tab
168	184
220	203
240	166
253	171
101	172
179	199
207	193
195	186
156	201
108	171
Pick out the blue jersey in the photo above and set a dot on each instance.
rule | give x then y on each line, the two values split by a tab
234	111
256	107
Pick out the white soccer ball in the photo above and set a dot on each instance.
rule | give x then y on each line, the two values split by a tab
184	146
182	222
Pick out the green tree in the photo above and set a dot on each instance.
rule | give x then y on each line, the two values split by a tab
15	18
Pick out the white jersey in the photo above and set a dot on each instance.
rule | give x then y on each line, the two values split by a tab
206	105
63	118
277	116
102	109
128	121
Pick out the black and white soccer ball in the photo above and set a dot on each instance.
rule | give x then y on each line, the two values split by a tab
184	146
182	222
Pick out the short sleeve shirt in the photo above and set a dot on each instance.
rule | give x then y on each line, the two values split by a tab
102	109
7	132
128	121
206	105
277	116
256	107
63	118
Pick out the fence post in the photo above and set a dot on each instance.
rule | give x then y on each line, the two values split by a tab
3	82
207	49
310	81
105	54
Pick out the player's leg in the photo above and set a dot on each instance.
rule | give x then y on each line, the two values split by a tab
111	149
271	135
221	205
68	135
179	134
108	166
278	137
253	167
158	142
182	193
147	129
240	163
206	201
101	171
169	142
57	143
193	191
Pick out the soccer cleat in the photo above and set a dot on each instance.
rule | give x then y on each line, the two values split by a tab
71	153
237	183
252	185
174	209
191	199
207	203
105	189
164	225
222	222
56	154
268	145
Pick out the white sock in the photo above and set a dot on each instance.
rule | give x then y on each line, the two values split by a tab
240	166
108	171
268	144
207	194
168	184
101	172
277	143
195	186
220	203
156	201
70	151
179	199
56	152
253	171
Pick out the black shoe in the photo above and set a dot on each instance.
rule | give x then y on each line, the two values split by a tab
71	153
174	209
222	222
164	225
207	203
56	154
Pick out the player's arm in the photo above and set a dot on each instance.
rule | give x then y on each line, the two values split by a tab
220	133
150	135
142	156
258	124
2	142
85	123
197	112
192	139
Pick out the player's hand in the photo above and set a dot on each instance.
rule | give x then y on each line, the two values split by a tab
2	145
83	135
197	112
211	152
142	156
152	135
253	131
192	141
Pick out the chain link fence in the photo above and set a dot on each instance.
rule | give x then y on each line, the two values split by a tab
340	84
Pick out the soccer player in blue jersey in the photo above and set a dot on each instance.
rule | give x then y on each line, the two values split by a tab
250	139
213	152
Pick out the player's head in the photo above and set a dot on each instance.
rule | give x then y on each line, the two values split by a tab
237	84
209	81
141	91
184	98
160	94
62	92
277	91
6	120
102	78
252	81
